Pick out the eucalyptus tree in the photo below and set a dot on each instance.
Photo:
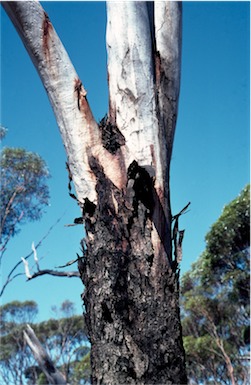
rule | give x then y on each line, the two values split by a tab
216	300
120	171
24	194
14	355
59	345
24	191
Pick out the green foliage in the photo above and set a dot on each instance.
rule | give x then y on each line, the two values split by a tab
63	337
230	234
15	314
42	380
14	354
24	191
215	300
82	371
18	312
3	132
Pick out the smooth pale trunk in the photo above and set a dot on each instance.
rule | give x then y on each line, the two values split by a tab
144	83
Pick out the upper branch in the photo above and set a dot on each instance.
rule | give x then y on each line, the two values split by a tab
65	90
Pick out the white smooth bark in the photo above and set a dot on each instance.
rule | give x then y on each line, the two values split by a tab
167	20
78	128
143	44
144	54
144	50
131	80
137	101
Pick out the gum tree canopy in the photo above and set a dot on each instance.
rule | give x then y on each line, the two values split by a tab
120	171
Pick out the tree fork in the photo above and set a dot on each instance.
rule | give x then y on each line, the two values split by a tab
120	170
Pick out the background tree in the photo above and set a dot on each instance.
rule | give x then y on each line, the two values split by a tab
120	170
63	337
215	297
24	190
82	370
14	355
3	132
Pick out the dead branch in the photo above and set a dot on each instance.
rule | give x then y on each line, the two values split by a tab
55	273
53	375
10	276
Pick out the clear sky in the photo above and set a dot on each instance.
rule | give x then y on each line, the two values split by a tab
210	163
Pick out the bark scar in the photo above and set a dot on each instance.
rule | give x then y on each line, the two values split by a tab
112	138
81	92
47	27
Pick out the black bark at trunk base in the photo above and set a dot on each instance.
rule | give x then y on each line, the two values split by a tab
132	313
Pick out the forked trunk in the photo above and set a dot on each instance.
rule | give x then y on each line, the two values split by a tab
120	170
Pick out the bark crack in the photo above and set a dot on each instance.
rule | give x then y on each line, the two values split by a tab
81	92
47	27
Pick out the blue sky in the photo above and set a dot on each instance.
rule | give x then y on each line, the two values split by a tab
210	162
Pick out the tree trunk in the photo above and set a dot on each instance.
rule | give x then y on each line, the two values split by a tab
120	169
131	296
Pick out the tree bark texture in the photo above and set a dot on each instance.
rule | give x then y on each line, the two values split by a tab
120	170
132	311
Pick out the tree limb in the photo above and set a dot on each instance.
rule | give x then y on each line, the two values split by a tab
78	128
53	375
10	276
55	273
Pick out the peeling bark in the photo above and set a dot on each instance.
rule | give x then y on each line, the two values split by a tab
120	170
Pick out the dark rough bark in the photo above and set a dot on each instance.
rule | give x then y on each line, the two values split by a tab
132	310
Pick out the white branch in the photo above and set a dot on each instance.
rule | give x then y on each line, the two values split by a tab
67	95
26	268
44	361
144	49
144	74
131	78
167	20
35	254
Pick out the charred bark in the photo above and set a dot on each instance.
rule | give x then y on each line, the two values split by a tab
132	313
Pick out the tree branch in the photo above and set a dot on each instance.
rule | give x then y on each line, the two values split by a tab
10	277
55	273
53	375
65	90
